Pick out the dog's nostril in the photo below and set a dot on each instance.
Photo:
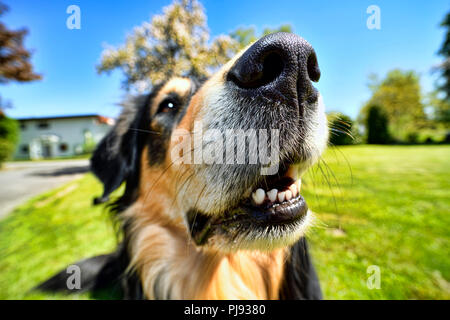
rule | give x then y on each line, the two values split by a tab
313	67
261	73
273	65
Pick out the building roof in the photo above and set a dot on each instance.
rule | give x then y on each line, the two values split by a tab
100	118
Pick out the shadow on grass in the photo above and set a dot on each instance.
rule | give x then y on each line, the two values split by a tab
62	171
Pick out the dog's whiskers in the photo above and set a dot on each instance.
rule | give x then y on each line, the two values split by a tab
146	131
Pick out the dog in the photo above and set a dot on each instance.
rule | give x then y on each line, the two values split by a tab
211	228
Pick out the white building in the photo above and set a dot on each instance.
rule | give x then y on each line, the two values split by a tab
62	136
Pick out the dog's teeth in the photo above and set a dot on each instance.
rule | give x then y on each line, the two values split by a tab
288	195
272	194
258	196
281	196
293	189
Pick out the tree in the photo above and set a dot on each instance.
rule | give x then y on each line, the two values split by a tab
444	51
440	109
246	35
14	58
283	28
377	125
439	99
9	135
342	129
399	96
175	43
15	65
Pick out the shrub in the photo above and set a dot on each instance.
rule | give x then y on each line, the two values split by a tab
89	143
342	130
412	137
9	135
447	138
377	126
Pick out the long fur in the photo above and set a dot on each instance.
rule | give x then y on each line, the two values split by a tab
234	276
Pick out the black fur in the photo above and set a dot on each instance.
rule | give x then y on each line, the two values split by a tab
97	273
300	281
117	157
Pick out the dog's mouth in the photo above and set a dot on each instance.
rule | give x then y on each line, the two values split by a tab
275	204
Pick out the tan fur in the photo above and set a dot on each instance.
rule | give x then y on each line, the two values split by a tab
197	105
246	275
171	266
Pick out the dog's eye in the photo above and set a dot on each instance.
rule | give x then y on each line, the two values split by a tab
168	105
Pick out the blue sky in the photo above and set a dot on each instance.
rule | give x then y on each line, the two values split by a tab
347	50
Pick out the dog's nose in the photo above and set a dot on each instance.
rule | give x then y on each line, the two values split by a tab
280	62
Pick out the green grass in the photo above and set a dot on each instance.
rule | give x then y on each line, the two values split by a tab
50	232
387	206
376	205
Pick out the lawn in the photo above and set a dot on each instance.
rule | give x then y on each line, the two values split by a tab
383	206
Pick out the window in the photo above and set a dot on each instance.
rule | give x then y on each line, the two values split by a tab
63	147
43	125
23	126
24	148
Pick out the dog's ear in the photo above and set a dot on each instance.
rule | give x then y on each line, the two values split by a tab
116	158
300	278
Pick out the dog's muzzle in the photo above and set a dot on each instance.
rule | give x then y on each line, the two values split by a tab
271	86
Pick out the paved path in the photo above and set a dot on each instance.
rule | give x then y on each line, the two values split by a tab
19	181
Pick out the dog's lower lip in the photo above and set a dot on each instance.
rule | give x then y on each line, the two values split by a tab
274	214
247	217
282	206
